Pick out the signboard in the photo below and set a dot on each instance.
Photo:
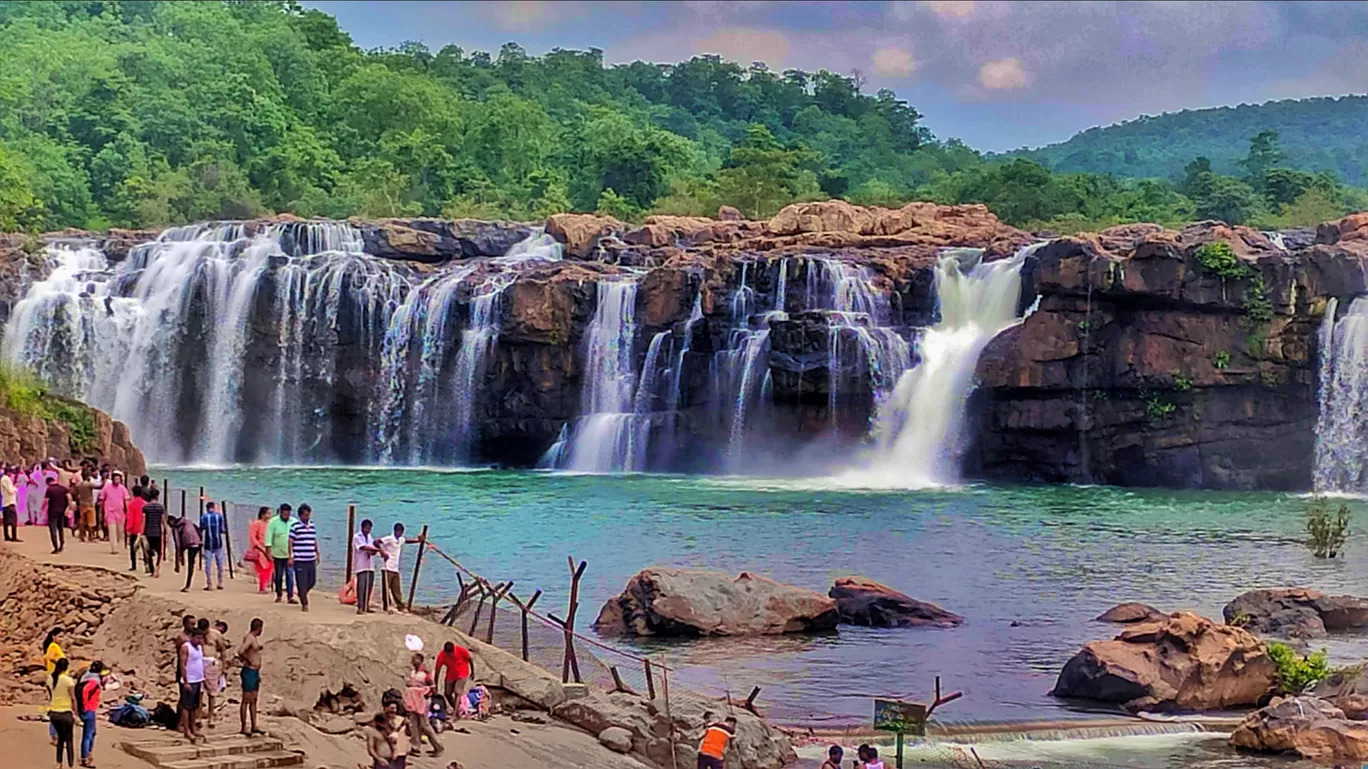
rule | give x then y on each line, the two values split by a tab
902	717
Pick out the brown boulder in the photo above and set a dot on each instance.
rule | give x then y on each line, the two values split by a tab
862	601
682	602
1296	612
1308	726
1126	613
581	232
1178	662
1346	689
729	214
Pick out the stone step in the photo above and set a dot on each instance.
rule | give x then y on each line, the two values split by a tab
273	758
160	753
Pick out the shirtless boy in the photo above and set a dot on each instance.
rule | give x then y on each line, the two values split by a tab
250	656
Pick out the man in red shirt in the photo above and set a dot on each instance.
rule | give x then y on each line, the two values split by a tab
133	528
459	669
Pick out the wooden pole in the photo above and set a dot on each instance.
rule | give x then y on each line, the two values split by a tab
525	610
494	611
227	540
479	606
351	529
618	684
650	679
185	512
417	565
571	664
669	716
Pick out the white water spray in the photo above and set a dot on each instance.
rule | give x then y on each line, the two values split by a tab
917	433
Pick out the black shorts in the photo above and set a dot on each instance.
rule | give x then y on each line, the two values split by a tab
190	696
708	762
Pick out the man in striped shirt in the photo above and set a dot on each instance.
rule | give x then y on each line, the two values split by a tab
304	554
212	527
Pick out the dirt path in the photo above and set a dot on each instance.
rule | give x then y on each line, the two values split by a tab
305	654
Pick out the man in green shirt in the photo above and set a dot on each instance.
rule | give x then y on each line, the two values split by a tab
278	540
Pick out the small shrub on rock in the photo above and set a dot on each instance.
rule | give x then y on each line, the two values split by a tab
1296	673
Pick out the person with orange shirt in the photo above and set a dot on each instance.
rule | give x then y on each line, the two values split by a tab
715	741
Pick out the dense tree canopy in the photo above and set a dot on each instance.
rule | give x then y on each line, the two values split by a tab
1327	134
132	113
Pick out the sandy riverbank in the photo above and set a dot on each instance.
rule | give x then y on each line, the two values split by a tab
129	618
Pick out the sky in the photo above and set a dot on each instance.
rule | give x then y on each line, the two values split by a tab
998	75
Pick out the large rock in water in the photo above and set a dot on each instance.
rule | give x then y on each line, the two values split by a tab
1178	662
1308	726
683	602
862	601
1126	613
1296	612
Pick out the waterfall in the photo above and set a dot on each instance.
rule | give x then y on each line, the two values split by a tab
916	435
601	440
231	342
1341	460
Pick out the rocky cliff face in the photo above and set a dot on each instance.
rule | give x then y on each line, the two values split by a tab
1151	357
30	439
1161	358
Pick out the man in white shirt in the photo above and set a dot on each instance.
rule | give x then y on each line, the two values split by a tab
9	498
393	590
363	559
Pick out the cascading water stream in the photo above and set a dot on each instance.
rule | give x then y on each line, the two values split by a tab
228	342
601	440
916	434
1341	461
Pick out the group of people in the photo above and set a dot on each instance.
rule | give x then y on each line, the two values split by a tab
284	550
73	696
94	501
409	717
867	758
203	656
90	499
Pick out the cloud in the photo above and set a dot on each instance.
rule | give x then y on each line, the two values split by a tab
746	45
950	9
523	15
1002	74
895	62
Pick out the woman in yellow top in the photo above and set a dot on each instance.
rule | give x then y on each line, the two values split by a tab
61	709
52	651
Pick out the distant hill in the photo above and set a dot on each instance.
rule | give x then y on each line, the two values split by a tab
1325	134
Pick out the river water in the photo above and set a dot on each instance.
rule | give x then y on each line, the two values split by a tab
1028	567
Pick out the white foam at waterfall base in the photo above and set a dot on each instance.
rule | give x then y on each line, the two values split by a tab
917	431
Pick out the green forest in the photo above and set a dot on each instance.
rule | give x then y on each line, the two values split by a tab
1327	134
145	114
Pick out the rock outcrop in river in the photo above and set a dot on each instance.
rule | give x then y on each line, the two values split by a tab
1296	612
1182	662
1152	357
1308	727
683	602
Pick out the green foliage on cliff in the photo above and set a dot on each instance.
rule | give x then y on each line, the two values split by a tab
1220	259
22	392
1316	134
146	114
